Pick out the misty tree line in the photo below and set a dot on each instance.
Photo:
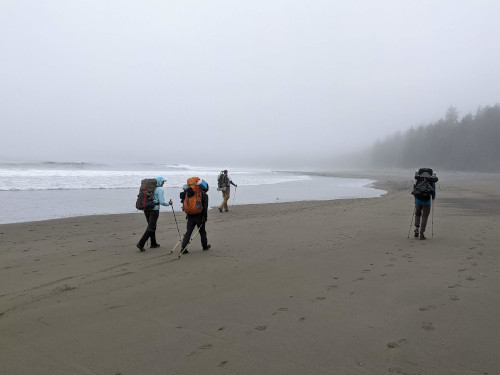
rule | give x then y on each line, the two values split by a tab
469	144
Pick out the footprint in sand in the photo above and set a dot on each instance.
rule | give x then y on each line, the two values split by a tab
223	363
427	308
62	289
319	299
203	347
281	309
330	287
454	298
470	278
428	326
454	286
396	344
261	328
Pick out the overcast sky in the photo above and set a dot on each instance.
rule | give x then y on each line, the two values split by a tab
235	82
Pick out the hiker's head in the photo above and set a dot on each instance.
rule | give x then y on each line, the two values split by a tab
225	171
160	181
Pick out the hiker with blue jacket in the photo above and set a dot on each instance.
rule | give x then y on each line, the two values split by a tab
152	215
424	190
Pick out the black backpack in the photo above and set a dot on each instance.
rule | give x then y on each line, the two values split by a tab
429	174
145	198
423	190
222	181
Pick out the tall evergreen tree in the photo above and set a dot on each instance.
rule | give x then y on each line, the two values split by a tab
471	144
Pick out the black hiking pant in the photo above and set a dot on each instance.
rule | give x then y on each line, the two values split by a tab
151	218
192	222
421	216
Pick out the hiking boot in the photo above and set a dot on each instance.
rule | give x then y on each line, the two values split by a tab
220	209
156	245
141	248
207	247
416	233
422	236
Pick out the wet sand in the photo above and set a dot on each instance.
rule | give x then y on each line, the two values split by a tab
333	287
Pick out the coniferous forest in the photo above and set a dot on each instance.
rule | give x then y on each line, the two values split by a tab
468	144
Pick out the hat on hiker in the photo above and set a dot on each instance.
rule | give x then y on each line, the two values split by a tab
426	175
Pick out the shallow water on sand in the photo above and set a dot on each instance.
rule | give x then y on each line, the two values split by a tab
34	205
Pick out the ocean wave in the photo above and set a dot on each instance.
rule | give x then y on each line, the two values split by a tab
92	176
44	165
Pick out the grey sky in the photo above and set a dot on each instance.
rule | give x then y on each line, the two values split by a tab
235	82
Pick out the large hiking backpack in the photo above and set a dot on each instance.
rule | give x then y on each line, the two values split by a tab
423	190
145	198
426	173
192	204
222	182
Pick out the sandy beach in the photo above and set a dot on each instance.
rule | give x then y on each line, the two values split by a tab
324	287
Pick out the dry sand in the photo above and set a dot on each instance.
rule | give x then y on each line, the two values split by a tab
330	287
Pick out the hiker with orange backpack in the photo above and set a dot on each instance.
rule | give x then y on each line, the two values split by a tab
194	201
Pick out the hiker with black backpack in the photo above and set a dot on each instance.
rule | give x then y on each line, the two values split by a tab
424	190
150	202
224	183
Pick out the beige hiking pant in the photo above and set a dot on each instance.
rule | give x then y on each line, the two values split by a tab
225	198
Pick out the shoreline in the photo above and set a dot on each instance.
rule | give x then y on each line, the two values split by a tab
299	287
40	205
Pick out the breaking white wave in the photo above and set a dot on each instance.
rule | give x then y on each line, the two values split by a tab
71	176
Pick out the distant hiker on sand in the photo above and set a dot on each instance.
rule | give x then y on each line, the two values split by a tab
424	189
194	201
152	214
224	183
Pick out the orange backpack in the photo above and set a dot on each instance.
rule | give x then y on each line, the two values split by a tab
192	202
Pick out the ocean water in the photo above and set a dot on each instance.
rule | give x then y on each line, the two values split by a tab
41	191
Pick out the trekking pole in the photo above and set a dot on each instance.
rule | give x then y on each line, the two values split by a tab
411	222
432	226
190	240
234	196
178	231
